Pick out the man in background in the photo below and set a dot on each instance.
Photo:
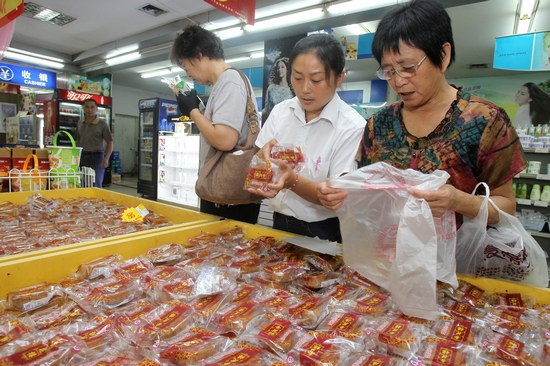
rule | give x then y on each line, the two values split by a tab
95	138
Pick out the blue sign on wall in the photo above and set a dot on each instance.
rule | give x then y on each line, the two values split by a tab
27	76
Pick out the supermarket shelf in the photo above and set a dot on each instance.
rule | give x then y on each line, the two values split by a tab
539	234
538	150
525	202
533	176
178	184
143	164
179	167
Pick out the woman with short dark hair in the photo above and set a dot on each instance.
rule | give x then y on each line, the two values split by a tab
224	122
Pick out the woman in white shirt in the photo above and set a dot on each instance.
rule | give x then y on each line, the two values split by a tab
326	129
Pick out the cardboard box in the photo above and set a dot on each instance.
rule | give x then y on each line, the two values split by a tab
18	156
43	162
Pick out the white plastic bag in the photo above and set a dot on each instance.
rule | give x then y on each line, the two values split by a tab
391	238
503	250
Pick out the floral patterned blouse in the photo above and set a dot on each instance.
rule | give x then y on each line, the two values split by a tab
475	142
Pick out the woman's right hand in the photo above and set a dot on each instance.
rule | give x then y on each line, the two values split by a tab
265	151
331	198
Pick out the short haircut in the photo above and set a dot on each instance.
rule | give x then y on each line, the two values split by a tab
423	24
327	49
90	100
195	41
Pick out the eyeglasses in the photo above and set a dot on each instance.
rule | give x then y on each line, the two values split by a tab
406	72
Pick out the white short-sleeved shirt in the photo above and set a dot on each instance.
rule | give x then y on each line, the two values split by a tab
227	106
329	142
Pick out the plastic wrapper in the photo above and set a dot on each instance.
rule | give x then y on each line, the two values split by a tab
165	255
317	280
204	238
355	278
343	291
135	267
232	234
100	267
132	312
107	293
511	351
351	326
192	346
45	348
435	352
290	154
324	262
374	305
161	275
180	289
371	359
459	331
234	317
40	203
278	301
206	307
521	325
284	271
244	293
466	293
58	316
461	309
12	328
97	333
247	264
318	349
510	301
309	313
163	323
212	280
261	173
33	297
243	354
398	337
276	334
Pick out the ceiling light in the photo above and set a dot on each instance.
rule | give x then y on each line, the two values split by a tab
230	33
525	13
281	21
354	6
119	51
176	69
257	55
358	29
156	73
35	55
39	12
237	59
32	60
122	59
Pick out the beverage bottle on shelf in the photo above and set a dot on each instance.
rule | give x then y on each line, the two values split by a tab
545	195
514	189
522	191
535	193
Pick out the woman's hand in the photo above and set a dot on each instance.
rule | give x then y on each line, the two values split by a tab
265	151
331	198
440	201
287	178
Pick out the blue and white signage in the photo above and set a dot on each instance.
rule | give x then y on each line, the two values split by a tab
525	52
148	103
27	76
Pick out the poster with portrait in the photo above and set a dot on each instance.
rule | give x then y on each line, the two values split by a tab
6	110
277	86
523	96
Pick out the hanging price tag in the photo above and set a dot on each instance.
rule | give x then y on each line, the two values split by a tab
142	210
131	214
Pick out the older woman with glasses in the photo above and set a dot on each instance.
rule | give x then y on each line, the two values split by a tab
436	125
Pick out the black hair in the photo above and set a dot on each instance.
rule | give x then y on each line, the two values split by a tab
90	100
539	106
423	24
195	41
327	49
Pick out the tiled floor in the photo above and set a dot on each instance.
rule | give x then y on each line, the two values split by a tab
127	185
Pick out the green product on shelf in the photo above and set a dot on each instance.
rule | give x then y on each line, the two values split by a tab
514	189
545	195
522	191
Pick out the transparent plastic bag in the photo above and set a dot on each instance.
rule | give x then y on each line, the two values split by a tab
391	238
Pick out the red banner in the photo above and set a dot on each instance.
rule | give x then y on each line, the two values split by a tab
81	97
11	9
245	10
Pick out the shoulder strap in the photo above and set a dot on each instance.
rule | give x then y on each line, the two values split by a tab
250	108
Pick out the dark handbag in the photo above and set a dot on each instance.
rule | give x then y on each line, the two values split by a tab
223	175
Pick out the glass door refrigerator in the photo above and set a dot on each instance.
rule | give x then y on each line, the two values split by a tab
153	122
66	109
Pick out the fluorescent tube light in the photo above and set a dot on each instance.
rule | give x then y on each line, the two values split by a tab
156	73
237	59
33	60
122	50
35	54
284	20
355	6
257	55
524	16
230	33
122	59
